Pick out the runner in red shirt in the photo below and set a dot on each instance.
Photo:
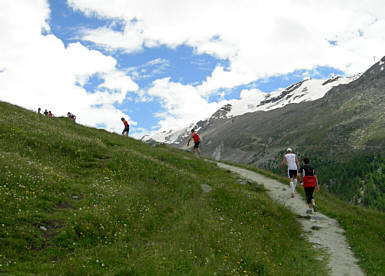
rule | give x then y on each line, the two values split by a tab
126	127
197	141
310	183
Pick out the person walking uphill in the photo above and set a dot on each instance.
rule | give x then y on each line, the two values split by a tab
310	183
290	159
197	141
71	116
126	129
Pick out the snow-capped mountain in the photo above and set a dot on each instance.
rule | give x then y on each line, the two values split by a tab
306	90
169	137
255	100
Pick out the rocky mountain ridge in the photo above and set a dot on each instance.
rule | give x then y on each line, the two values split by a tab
303	91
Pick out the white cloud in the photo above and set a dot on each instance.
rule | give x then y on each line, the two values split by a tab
118	81
260	38
182	104
39	71
252	95
156	61
149	69
129	41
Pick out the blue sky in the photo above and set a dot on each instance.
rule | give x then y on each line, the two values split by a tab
156	64
182	64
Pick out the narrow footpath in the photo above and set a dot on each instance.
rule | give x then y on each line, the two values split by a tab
322	231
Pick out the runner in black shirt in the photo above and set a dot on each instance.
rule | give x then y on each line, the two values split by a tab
310	183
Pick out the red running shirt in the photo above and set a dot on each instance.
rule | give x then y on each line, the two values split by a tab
309	177
195	137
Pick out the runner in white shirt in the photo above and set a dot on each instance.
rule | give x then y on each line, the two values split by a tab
290	159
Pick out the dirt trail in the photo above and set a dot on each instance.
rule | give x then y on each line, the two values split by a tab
322	231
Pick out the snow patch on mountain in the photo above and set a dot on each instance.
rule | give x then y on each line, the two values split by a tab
306	90
169	136
254	100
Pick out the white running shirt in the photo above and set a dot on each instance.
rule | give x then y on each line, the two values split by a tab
290	161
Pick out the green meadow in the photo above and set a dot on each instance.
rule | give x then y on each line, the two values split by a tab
81	201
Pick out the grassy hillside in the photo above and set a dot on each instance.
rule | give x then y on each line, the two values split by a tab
364	227
77	201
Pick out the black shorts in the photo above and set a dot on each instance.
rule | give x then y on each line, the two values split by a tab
309	193
292	173
126	129
196	144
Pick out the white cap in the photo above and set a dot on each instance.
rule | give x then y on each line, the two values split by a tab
289	149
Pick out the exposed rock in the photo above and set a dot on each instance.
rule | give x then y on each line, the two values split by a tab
316	227
206	188
304	216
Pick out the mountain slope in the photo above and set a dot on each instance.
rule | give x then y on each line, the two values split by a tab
82	201
252	101
349	117
347	123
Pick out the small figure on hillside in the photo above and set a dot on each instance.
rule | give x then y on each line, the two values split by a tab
309	183
50	114
46	112
126	129
39	111
197	141
71	116
290	159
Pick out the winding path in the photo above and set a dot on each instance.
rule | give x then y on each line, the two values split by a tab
322	231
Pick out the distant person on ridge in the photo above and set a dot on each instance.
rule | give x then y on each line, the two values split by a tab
197	141
46	112
71	116
50	114
290	159
309	183
126	129
39	111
